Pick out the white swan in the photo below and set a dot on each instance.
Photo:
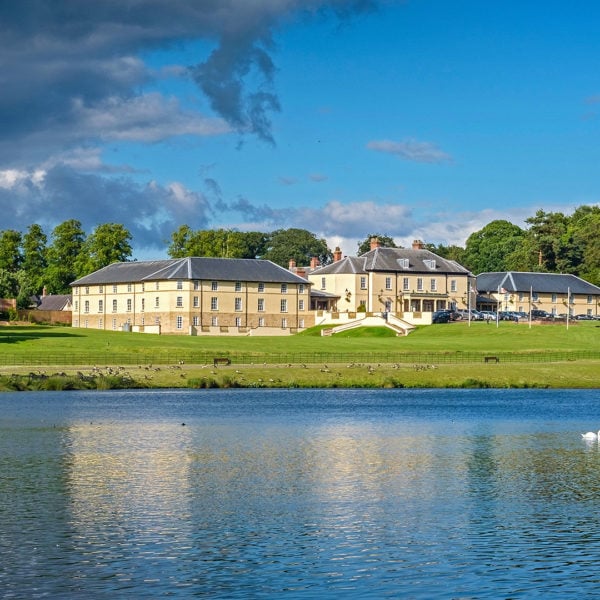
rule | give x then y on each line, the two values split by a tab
590	435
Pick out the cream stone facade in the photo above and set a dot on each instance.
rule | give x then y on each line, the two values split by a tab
408	283
194	296
557	294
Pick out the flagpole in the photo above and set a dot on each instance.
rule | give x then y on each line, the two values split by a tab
498	310
469	301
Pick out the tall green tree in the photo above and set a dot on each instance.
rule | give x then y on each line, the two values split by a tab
221	243
384	240
9	284
27	289
297	244
63	255
107	244
488	248
10	250
583	228
180	242
451	252
546	233
34	257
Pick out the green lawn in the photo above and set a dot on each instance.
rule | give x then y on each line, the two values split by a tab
34	344
448	355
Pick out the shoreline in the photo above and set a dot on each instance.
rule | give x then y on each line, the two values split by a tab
584	374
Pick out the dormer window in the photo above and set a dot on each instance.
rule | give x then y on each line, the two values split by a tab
429	263
403	262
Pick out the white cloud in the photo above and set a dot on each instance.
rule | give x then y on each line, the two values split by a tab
147	118
412	150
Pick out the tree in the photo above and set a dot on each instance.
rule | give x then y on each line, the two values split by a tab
180	242
10	250
63	254
247	244
299	245
107	244
34	257
452	252
583	228
26	289
384	240
546	231
488	248
9	285
223	243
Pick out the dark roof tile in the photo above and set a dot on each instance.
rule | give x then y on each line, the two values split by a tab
516	281
201	268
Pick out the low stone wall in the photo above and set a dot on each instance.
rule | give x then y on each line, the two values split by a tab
54	317
7	303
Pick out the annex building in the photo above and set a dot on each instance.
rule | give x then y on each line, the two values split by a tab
557	294
194	296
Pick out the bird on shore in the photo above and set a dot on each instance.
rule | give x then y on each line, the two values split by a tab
590	435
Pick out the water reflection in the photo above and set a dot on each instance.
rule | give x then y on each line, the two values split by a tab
259	495
129	495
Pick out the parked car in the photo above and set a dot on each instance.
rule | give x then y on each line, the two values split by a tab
489	315
540	315
475	315
440	316
511	315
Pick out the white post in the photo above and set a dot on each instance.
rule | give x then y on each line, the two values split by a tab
568	305
469	301
498	309
530	303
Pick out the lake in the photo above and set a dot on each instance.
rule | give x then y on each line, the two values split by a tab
302	493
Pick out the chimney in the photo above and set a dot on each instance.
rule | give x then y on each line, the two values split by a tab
337	254
417	245
314	262
292	264
301	272
44	292
375	243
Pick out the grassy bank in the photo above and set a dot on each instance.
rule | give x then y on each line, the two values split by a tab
450	355
579	374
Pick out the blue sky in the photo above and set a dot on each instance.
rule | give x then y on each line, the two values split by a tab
416	119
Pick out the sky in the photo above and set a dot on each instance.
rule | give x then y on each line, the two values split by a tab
416	119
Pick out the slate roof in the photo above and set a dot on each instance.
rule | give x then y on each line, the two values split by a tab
201	268
322	294
390	260
55	302
514	281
